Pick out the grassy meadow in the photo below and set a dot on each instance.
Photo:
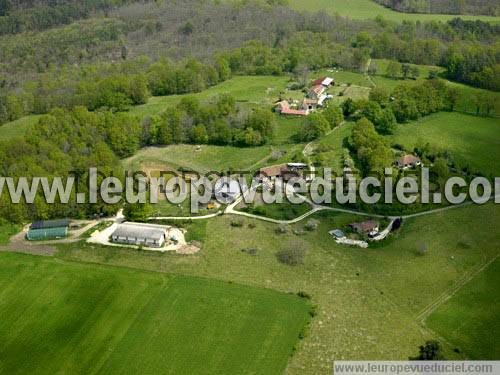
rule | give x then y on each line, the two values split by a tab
17	128
471	140
208	158
470	318
367	9
367	300
245	89
63	317
332	148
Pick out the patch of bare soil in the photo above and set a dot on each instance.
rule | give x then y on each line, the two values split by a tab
188	249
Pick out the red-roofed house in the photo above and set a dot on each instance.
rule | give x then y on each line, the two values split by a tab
408	161
324	81
283	107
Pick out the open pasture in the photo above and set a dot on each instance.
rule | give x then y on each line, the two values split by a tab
470	318
63	317
471	140
355	290
367	9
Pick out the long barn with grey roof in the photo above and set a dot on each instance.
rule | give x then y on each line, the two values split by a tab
138	234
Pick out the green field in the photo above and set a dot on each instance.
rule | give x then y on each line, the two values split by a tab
471	140
208	158
61	317
331	148
355	290
470	318
364	9
245	89
17	128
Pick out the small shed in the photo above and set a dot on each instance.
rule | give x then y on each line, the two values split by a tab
408	161
47	234
337	233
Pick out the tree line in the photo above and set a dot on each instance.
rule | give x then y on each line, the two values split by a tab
17	16
486	7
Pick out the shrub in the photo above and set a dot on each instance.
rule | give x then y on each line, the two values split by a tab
312	225
237	223
250	251
293	255
282	229
304	295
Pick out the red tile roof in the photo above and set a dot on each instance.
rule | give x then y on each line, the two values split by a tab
408	160
294	112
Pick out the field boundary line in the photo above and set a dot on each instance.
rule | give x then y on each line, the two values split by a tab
445	296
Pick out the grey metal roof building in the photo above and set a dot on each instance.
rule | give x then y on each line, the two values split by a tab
148	235
45	224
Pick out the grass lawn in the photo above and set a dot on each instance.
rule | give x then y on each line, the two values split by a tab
165	208
471	140
331	148
284	211
63	317
470	318
17	128
367	300
466	102
209	158
364	9
246	89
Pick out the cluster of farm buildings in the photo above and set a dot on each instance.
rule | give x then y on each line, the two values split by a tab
316	97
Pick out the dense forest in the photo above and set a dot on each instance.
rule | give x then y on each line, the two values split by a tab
17	16
486	7
170	47
84	75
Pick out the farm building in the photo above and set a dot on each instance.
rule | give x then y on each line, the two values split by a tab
142	234
284	108
309	104
317	92
48	230
408	161
50	224
46	234
324	81
369	227
337	233
284	171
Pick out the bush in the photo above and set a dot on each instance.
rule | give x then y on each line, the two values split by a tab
312	225
293	255
250	251
282	229
237	223
304	295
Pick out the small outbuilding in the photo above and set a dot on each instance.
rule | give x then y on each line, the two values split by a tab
408	161
309	104
337	233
